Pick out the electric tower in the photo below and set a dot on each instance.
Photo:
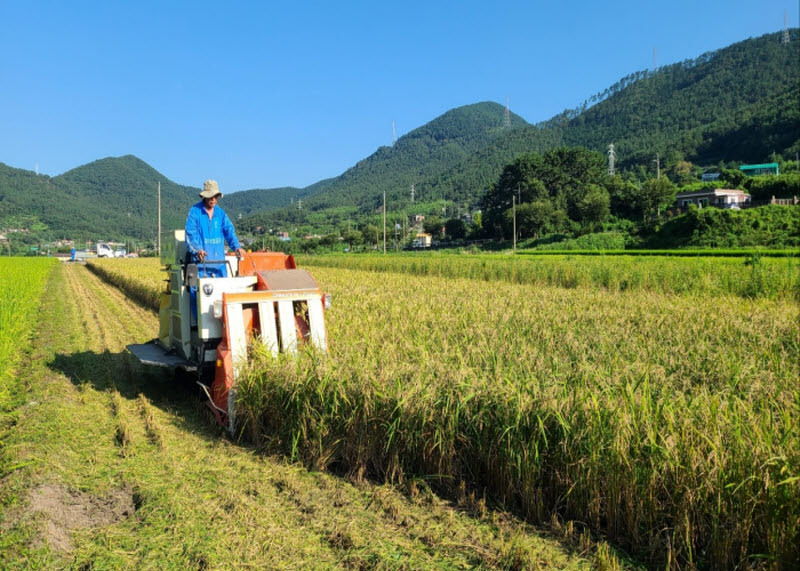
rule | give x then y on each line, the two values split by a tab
612	156
785	38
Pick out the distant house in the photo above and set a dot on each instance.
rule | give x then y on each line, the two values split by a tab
418	219
719	197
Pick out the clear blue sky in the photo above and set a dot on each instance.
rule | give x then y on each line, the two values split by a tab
268	94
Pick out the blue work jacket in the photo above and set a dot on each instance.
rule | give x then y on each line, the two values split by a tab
210	234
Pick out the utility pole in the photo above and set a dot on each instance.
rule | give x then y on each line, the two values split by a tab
159	218
657	160
514	206
384	222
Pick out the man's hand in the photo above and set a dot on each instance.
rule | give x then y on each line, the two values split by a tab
240	252
201	255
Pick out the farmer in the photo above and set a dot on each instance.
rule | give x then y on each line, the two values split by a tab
207	228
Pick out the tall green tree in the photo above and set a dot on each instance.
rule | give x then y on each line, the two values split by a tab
655	195
561	176
595	206
455	229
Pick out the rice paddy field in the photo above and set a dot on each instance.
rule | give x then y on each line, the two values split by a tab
654	402
22	282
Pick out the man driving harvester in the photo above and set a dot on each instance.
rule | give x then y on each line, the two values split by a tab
207	230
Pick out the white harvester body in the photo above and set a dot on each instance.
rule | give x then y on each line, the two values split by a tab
207	324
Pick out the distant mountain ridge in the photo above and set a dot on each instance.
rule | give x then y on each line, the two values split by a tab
738	103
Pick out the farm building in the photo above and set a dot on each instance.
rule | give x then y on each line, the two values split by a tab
422	240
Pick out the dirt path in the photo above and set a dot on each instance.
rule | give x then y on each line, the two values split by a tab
117	466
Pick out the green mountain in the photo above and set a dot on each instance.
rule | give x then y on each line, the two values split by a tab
740	103
112	198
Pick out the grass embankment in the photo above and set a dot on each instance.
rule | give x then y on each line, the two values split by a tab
754	276
668	423
116	467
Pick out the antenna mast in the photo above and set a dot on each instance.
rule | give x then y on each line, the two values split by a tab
612	156
507	123
785	38
655	58
394	134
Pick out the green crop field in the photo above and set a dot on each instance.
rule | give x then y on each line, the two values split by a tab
663	415
22	282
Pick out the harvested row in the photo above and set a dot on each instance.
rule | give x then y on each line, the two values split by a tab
667	423
750	277
135	277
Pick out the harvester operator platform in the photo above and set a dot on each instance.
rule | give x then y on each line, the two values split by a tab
207	230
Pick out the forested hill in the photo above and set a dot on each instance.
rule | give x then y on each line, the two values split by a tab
419	156
740	103
112	198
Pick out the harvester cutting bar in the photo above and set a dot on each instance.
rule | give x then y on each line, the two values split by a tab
280	319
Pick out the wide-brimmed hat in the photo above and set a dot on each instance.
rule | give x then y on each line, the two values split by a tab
211	189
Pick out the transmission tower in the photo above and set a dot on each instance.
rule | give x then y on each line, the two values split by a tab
612	156
299	204
785	38
655	58
507	123
412	193
394	134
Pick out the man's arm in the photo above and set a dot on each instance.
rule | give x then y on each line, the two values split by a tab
229	232
193	240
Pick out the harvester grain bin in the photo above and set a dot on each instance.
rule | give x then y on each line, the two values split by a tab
206	325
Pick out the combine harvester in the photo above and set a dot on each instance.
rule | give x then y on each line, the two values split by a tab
207	324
